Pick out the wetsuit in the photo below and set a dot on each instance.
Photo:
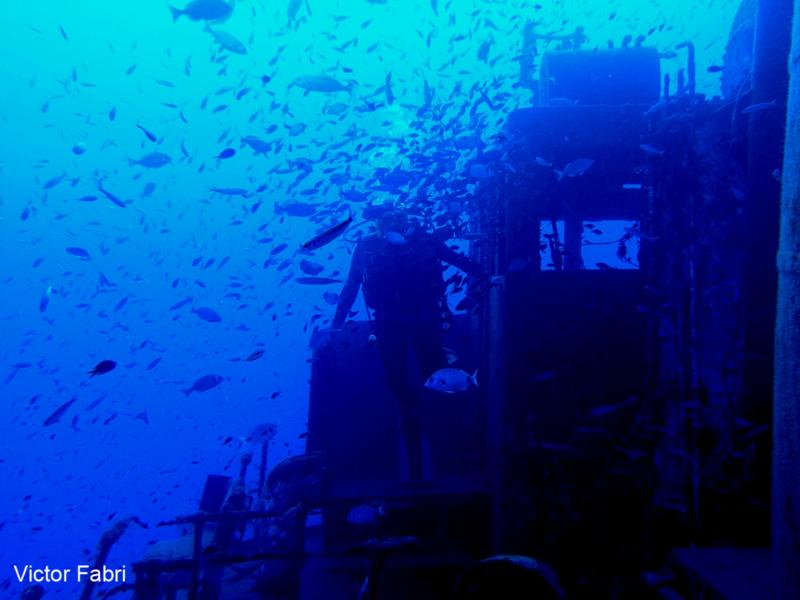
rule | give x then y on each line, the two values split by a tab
404	286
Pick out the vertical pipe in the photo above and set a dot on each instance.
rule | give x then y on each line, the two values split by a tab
496	400
197	550
262	473
573	239
760	212
786	406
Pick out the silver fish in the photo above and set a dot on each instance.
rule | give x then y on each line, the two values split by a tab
450	380
227	41
576	168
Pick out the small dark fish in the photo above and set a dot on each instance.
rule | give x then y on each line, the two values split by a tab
120	304
153	363
278	249
387	88
327	236
95	403
227	41
231	191
205	383
79	252
150	135
715	69
103	367
297	209
110	196
58	413
207	314
650	149
45	299
258	145
354	196
149	188
227	153
759	107
316	280
153	160
311	268
254	356
51	183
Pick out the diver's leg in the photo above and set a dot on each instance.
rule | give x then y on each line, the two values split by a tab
393	342
426	339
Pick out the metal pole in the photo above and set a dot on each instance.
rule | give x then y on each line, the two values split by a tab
496	403
197	550
761	205
786	404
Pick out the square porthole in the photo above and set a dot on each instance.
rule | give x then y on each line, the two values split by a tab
604	245
551	245
610	245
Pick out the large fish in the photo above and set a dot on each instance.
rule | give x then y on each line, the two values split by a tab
327	236
203	10
321	83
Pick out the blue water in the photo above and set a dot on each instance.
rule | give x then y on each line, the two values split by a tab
67	69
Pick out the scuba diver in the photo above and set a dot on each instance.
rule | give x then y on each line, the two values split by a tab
400	269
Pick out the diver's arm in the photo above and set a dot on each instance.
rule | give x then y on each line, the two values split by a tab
459	261
350	290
